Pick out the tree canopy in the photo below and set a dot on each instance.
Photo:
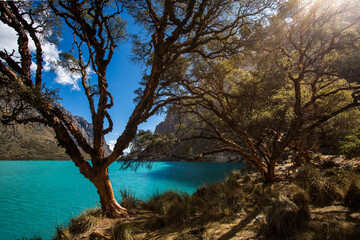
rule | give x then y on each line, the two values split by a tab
277	91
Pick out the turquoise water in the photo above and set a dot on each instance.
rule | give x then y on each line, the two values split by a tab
35	196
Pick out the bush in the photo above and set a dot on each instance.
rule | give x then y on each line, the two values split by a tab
350	146
285	217
352	196
122	231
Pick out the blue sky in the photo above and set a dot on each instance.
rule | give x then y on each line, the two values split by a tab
122	75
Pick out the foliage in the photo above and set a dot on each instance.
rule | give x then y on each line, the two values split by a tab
350	145
279	91
147	146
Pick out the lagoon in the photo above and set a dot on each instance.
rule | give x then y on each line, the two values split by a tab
35	196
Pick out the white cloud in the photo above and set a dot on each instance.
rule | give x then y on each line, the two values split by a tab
8	41
8	38
112	144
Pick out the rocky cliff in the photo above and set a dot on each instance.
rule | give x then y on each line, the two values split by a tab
37	142
191	148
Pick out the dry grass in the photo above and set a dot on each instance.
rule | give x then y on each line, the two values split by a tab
285	217
174	206
129	200
352	196
321	186
323	192
80	224
122	231
62	233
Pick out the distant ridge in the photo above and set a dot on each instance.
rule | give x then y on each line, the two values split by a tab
38	142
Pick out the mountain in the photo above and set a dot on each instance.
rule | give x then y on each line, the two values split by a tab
191	148
38	142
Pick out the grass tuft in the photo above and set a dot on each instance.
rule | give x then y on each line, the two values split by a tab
352	196
122	231
322	192
175	206
285	217
82	223
62	233
320	185
129	200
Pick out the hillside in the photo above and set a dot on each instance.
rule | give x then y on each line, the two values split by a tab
37	142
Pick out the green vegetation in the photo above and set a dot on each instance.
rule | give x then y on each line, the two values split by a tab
350	146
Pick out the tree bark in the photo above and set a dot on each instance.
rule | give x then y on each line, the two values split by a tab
270	173
110	207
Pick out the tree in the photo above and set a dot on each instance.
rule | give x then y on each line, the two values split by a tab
260	103
209	29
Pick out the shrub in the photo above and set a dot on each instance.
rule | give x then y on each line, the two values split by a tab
122	231
285	217
350	146
352	196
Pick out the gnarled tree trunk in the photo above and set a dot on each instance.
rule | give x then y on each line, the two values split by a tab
110	207
269	177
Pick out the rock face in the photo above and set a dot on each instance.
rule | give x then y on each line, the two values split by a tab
193	147
85	128
168	125
38	142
